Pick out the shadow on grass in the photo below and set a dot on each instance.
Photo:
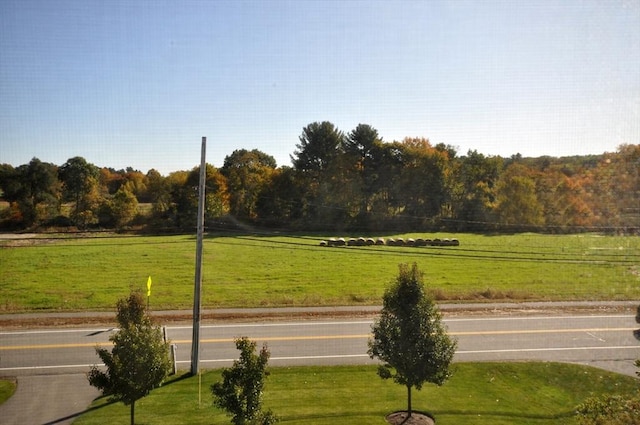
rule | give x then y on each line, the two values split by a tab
172	380
499	414
434	414
75	415
340	415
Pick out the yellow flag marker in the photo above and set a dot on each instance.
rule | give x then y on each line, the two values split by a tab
149	287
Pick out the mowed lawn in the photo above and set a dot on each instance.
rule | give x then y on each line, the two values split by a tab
477	394
79	273
7	388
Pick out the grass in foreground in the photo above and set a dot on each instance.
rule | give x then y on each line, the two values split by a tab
478	394
7	388
293	270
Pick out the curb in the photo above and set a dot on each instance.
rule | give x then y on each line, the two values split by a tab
52	319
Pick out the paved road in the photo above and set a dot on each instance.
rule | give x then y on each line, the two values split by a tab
577	338
38	356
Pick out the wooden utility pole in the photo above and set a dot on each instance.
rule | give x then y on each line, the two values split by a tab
195	340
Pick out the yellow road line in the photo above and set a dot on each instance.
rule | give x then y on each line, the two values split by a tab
542	331
47	346
322	337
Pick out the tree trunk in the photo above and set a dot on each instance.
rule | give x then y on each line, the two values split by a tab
408	400
133	409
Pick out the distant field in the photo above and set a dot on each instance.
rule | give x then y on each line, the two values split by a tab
76	273
477	394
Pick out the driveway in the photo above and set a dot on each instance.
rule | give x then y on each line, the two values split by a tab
48	399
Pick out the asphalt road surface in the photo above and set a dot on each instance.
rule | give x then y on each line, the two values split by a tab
577	338
605	341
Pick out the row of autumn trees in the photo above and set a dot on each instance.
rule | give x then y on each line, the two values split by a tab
342	181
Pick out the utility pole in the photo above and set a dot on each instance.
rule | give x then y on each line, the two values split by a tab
195	340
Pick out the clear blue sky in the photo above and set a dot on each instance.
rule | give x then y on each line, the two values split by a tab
138	83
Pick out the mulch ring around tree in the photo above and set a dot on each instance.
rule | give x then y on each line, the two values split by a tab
416	418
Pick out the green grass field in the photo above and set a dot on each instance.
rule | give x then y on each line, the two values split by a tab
82	273
7	388
478	394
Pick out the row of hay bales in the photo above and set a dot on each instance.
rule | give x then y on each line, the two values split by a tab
390	242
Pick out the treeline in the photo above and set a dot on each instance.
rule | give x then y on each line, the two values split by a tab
338	181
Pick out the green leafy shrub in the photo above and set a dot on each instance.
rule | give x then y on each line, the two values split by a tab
610	410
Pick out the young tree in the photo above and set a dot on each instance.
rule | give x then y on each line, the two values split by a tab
409	336
139	360
240	392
